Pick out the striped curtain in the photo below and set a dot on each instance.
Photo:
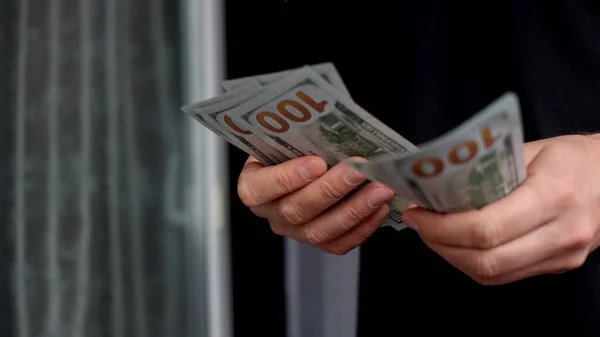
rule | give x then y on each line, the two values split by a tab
92	171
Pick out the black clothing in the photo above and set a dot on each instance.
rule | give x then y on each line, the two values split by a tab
423	67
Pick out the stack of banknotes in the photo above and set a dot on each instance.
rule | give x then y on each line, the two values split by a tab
309	111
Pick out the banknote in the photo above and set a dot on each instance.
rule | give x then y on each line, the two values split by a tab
194	111
329	73
309	111
473	165
327	70
212	114
306	115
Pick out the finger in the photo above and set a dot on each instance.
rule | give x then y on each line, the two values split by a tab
251	160
346	215
548	265
357	235
553	265
529	206
306	203
532	149
258	185
551	240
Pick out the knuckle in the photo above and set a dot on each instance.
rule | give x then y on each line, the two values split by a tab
284	180
575	261
581	237
485	268
315	236
329	191
290	212
485	234
564	195
353	214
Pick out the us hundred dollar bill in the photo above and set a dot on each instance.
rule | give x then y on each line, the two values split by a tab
197	111
305	115
214	115
473	165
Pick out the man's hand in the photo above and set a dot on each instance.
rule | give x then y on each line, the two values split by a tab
302	200
549	224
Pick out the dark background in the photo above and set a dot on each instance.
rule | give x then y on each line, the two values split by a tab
446	70
253	37
8	44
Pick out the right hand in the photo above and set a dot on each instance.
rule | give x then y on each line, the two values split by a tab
302	200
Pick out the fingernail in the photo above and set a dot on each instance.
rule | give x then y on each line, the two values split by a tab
378	197
312	169
353	177
410	222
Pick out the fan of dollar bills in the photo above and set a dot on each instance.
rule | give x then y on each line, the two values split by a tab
309	111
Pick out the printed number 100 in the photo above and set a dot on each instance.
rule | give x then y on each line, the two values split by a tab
278	123
460	154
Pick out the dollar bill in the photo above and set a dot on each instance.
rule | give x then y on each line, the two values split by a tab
308	111
473	165
194	110
305	115
327	70
212	114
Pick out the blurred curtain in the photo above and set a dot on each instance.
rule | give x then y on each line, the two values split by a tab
93	172
321	291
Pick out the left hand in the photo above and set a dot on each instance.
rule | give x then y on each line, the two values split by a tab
549	224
